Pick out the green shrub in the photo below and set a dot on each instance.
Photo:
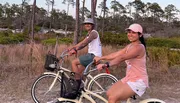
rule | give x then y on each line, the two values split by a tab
61	41
37	28
164	42
114	39
121	39
174	58
11	38
5	33
162	57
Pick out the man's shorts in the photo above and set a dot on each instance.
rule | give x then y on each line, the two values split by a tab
138	87
86	59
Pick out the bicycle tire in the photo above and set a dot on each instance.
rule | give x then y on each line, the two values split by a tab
105	80
152	100
40	87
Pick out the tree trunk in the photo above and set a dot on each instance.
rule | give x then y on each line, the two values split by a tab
21	14
104	7
77	23
66	24
93	10
83	10
82	17
51	15
33	19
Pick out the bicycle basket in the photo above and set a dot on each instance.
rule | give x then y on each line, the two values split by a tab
51	62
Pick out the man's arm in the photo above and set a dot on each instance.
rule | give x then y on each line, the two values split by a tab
93	35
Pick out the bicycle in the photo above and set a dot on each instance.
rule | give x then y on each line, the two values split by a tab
89	95
47	87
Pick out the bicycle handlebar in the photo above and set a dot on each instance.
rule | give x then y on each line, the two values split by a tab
64	53
87	71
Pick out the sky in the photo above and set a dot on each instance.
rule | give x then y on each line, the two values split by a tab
60	6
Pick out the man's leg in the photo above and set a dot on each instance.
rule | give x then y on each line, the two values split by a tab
77	83
76	66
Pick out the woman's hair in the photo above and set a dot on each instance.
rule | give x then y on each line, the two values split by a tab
142	40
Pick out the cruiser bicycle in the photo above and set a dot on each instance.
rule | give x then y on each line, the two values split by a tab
47	87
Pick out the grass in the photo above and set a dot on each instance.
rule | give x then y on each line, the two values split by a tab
20	67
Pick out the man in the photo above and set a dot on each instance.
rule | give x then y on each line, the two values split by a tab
92	40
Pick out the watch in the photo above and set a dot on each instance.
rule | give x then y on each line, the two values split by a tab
107	64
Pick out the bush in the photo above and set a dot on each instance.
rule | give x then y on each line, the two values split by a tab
121	39
162	58
114	39
164	42
174	58
61	41
9	38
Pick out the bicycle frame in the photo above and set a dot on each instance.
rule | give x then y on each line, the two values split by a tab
84	94
89	79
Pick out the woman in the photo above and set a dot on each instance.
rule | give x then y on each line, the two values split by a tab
134	54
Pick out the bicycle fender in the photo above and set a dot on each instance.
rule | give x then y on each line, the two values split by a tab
51	73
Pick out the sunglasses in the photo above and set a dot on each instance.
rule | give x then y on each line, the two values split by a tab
87	24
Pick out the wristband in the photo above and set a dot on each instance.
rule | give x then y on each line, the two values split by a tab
107	64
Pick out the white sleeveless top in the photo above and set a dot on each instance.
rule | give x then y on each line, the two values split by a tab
95	46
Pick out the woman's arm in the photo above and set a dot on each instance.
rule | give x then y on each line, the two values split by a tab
133	52
112	55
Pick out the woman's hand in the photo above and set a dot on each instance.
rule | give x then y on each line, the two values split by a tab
97	59
100	67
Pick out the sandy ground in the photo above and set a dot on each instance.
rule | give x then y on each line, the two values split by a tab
16	84
170	93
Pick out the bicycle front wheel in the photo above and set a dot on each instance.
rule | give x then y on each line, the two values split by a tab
101	83
40	89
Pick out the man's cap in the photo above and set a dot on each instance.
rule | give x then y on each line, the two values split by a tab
88	20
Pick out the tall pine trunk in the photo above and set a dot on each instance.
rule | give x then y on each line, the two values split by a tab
77	23
104	7
82	17
33	19
93	11
50	27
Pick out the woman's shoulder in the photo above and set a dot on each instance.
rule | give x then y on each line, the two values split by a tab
139	48
135	47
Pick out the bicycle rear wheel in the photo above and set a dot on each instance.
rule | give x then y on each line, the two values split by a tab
40	89
101	83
